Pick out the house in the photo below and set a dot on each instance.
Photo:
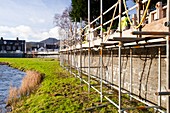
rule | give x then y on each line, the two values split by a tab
12	48
49	44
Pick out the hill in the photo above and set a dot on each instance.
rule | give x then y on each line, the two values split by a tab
50	41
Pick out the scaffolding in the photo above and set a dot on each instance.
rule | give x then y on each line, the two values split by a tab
118	43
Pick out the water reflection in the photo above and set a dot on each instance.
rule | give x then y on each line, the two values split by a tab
8	76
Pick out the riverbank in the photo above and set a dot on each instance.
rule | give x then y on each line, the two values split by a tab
60	91
8	77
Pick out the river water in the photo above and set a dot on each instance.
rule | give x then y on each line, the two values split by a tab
8	76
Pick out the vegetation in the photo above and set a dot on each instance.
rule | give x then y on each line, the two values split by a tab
59	91
80	9
29	83
62	92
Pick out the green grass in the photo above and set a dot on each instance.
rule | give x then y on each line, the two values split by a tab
59	92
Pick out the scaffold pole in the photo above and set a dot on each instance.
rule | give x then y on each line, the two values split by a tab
89	46
101	51
159	75
167	55
119	61
131	74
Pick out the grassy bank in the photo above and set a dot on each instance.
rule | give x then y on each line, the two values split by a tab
59	91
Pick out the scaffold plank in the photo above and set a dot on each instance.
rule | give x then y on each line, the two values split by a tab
126	39
150	33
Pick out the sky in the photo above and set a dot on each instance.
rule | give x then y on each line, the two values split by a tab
30	20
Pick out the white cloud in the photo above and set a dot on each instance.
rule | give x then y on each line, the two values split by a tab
37	20
53	32
27	33
32	19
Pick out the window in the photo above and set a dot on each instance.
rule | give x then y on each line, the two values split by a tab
3	48
19	47
8	48
14	48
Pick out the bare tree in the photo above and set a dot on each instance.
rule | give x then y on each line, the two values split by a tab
68	28
64	21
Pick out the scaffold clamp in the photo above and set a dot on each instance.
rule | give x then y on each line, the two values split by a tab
167	24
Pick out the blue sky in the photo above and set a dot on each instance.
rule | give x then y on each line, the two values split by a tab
31	20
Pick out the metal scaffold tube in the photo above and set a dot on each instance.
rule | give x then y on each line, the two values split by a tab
131	74
89	46
101	52
139	16
120	16
60	54
101	74
74	51
111	66
61	61
74	46
159	75
101	19
71	62
68	59
167	55
80	68
119	62
168	76
89	51
119	78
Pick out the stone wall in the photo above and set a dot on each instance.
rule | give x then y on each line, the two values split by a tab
144	69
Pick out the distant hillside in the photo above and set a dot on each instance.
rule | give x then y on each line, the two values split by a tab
50	41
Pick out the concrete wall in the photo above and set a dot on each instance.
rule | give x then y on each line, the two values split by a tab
145	69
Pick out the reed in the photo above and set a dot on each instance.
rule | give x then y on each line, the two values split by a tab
29	83
13	95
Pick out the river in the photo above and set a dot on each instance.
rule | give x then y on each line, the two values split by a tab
8	76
